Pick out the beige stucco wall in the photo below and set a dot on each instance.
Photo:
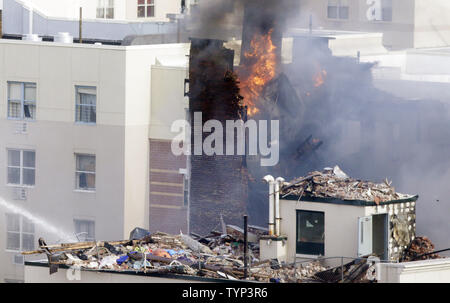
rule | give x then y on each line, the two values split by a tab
341	227
169	102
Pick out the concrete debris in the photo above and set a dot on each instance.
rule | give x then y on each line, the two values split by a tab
300	273
334	183
355	271
216	256
421	248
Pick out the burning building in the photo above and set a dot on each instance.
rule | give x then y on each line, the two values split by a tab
218	182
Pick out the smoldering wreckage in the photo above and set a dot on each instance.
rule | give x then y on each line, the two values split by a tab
223	255
264	89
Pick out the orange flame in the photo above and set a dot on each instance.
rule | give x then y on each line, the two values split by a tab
262	70
319	78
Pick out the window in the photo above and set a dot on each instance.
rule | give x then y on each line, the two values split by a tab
380	10
21	167
85	172
19	233
22	100
338	9
105	9
85	230
146	8
310	232
386	10
86	104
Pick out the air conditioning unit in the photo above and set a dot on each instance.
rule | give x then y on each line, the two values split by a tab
20	193
18	259
21	128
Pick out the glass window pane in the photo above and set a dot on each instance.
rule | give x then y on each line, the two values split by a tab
13	158
85	163
86	181
332	12
141	1
27	226
28	176
14	109
85	230
87	99
100	12
15	91
30	91
343	12
149	1
29	159
141	11
13	175
150	11
310	232
13	222
13	241
27	242
29	110
110	13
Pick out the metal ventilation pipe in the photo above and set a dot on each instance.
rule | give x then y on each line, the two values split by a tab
30	18
278	182
271	181
30	36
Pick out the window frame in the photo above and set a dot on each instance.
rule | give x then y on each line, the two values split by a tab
382	8
20	233
77	172
298	243
80	105
339	5
103	6
146	5
89	221
22	101
21	167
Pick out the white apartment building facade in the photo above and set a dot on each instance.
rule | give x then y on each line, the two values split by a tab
102	19
78	125
404	23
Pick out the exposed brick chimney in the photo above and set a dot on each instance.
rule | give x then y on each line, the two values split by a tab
218	184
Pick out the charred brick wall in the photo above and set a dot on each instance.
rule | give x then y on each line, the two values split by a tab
218	184
168	209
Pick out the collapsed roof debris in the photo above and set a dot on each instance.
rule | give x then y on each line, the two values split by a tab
334	183
218	256
421	248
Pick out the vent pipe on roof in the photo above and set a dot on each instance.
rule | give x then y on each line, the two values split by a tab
278	182
63	38
30	36
271	181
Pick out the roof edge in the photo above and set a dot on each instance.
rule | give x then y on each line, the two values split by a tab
347	202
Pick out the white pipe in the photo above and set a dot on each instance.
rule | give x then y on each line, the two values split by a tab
269	179
30	18
278	183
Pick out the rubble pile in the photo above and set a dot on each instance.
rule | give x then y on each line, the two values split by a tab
334	183
421	248
215	256
356	271
286	274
